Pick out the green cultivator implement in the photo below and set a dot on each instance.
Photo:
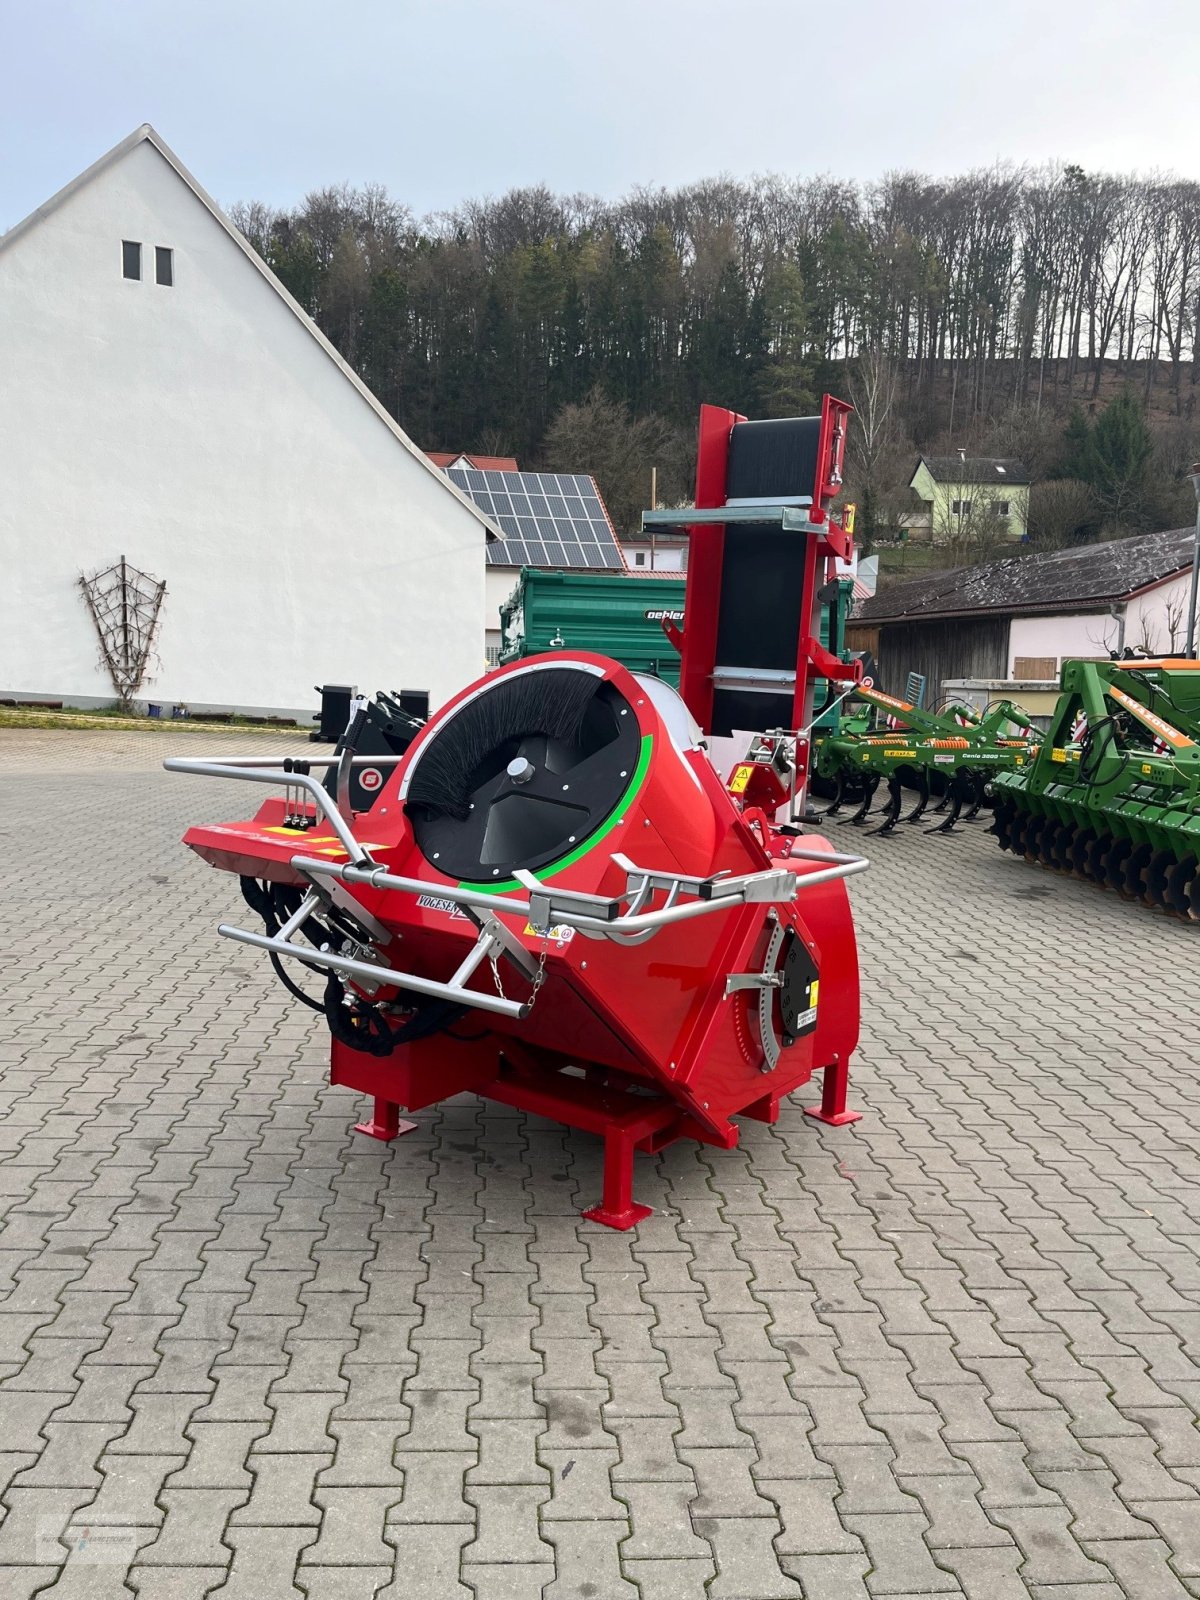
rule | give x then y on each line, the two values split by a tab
1114	792
952	753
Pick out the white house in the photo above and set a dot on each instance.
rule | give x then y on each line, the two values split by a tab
164	400
658	552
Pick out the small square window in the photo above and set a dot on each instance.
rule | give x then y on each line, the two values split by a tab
1002	508
639	558
164	265
131	259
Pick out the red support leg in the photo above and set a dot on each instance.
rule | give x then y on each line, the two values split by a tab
833	1097
386	1122
618	1208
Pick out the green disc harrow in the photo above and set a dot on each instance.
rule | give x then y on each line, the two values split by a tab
951	753
1113	794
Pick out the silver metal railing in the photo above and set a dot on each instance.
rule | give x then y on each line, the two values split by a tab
626	918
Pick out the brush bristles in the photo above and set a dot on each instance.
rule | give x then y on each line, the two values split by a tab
552	701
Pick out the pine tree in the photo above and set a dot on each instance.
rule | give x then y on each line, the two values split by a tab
1120	452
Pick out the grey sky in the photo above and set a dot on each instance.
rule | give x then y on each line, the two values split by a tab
442	99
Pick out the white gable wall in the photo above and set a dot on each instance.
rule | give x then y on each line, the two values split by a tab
202	432
1151	619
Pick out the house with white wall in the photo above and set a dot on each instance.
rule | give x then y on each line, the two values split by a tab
1021	618
959	496
165	403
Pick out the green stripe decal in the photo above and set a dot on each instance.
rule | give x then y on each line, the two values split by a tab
618	816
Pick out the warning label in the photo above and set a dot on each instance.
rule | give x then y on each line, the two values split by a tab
560	934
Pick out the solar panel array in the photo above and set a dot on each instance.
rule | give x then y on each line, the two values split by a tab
548	519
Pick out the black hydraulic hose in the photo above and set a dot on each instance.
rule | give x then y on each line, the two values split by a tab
258	897
292	988
360	1024
1091	751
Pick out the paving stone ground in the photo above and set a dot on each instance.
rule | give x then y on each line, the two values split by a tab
951	1350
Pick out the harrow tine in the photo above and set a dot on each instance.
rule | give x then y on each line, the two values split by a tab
978	797
922	798
869	787
891	811
839	794
956	797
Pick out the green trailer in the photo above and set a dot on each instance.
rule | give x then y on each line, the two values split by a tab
620	615
612	613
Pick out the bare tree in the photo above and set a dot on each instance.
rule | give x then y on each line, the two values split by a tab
601	437
1058	509
873	384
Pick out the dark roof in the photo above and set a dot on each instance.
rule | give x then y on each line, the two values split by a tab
975	469
1079	579
551	520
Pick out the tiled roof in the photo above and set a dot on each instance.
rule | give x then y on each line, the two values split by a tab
975	469
447	458
1079	579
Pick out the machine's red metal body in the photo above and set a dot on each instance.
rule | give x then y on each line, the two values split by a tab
641	1048
642	1045
697	641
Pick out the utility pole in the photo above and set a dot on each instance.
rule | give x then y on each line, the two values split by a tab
1191	616
654	507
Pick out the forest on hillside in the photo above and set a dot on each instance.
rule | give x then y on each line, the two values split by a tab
1045	314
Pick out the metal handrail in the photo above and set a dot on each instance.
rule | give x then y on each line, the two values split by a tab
197	763
453	990
770	887
325	803
595	916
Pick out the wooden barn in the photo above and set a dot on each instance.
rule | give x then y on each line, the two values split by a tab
1022	617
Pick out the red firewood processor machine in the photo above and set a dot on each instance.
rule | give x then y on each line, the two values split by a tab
552	900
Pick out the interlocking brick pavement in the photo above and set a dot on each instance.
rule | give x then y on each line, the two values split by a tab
952	1350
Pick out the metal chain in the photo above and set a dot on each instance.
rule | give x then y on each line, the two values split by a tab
494	959
539	976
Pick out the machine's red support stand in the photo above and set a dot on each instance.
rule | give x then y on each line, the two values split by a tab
386	1121
618	1208
833	1097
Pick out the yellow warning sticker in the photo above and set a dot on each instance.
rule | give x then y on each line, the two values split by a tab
1058	755
560	933
741	777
